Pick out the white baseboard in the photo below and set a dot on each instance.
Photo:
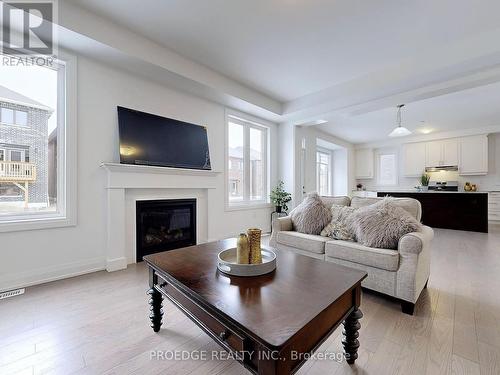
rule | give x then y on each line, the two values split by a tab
116	264
47	274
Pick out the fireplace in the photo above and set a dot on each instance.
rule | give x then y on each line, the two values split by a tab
164	225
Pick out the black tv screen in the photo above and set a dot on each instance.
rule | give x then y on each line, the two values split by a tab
148	139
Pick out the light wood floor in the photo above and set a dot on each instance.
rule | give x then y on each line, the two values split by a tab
98	323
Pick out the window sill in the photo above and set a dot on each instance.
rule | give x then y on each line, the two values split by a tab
32	223
248	206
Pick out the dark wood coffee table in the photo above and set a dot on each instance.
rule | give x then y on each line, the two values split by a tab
270	323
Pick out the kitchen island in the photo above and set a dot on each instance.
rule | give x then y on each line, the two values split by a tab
450	209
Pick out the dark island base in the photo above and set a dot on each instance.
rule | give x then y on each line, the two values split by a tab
459	211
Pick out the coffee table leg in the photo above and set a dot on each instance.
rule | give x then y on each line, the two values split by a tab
351	334
155	302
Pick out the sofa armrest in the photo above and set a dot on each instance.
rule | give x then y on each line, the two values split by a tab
279	224
414	264
415	242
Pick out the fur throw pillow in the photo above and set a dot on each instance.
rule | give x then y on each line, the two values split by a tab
311	216
382	224
339	227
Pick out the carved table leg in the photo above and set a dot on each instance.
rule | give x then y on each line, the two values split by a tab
155	301
155	308
351	334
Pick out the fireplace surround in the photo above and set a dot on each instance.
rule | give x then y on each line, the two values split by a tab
164	224
125	184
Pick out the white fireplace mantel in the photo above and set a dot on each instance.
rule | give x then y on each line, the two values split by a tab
123	177
128	176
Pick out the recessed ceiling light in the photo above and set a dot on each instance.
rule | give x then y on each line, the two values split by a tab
320	121
314	122
424	129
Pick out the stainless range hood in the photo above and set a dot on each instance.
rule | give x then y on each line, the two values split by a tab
450	168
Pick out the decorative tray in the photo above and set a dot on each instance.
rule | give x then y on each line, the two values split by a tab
227	263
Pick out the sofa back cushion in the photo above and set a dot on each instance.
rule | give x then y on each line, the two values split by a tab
382	224
310	216
410	205
339	201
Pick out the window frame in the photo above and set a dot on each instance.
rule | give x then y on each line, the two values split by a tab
15	118
380	153
320	150
2	115
248	123
66	213
22	153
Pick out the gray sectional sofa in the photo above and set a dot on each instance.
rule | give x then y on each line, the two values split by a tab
401	273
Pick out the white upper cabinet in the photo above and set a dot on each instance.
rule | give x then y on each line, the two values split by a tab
441	153
473	155
450	152
414	159
364	163
433	153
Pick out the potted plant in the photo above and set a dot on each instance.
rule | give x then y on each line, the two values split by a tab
279	197
359	186
424	181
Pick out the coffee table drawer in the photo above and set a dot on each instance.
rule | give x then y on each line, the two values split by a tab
212	324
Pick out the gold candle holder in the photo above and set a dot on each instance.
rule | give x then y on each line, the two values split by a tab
243	249
254	235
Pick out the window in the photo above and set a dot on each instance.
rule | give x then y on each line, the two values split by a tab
21	118
16	155
324	172
247	162
10	116
7	116
387	168
37	162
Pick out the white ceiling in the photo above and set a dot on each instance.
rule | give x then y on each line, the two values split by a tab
331	59
290	48
473	108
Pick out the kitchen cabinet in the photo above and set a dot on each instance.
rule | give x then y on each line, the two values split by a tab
473	155
441	153
494	206
364	163
414	159
364	194
433	154
450	210
450	152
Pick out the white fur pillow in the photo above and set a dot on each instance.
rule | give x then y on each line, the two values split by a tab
339	228
311	216
382	224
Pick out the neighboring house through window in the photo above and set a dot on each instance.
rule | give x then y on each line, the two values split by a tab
34	136
247	162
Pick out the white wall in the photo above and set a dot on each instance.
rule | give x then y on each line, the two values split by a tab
33	256
489	182
340	172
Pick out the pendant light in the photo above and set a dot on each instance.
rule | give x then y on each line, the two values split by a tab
399	131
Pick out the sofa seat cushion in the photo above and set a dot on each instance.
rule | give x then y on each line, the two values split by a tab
354	252
303	241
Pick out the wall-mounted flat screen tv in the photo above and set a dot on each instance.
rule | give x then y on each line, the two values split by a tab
148	139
